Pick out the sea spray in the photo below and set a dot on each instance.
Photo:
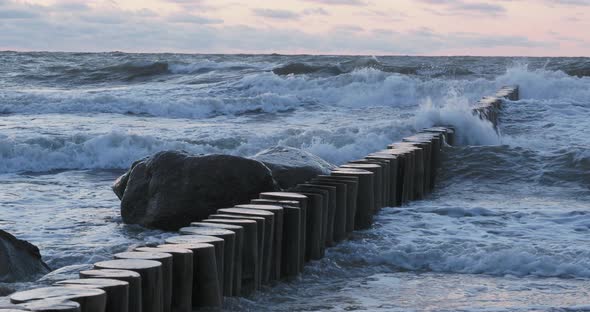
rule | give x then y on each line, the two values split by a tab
457	111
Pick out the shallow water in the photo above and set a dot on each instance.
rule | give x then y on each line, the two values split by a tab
505	230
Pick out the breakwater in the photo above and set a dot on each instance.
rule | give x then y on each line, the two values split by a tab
274	236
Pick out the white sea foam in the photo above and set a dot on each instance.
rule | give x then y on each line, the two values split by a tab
457	111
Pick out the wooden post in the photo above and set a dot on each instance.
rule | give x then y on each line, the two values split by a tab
151	280
291	252
229	246
132	278
365	204
182	276
90	300
238	251
217	242
250	263
117	291
206	289
166	260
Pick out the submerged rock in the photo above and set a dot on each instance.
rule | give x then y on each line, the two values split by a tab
5	291
20	260
291	166
171	189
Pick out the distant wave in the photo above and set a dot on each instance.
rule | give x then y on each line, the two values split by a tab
97	73
302	68
134	70
266	92
263	92
574	67
372	63
125	71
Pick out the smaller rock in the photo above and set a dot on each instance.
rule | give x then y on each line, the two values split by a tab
20	260
291	166
5	291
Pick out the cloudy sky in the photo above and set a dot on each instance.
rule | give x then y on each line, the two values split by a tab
374	27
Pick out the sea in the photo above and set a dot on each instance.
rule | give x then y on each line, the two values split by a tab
507	227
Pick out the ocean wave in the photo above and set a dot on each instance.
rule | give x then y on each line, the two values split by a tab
544	84
119	149
302	68
130	71
323	69
579	67
440	100
108	151
143	102
260	92
124	71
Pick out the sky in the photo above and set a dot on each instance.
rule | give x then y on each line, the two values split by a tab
358	27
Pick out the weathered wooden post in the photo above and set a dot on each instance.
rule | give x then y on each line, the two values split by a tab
206	289
182	275
229	246
166	260
365	204
291	252
351	196
117	291
339	218
238	251
151	280
48	305
377	170
132	278
267	250
250	263
90	299
217	242
303	203
329	210
278	212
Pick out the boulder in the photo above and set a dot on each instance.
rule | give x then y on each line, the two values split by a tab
291	166
171	189
20	260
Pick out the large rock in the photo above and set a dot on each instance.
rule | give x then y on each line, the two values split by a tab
291	166
20	261
171	189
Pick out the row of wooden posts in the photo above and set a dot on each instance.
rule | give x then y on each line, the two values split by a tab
237	250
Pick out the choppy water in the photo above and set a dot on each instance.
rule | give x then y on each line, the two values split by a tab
506	229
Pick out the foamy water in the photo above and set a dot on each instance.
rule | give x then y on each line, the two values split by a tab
505	230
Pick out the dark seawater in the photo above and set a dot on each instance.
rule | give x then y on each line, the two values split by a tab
507	228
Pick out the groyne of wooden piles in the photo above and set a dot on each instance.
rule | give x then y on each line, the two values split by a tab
238	249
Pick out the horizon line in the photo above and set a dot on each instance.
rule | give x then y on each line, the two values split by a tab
287	54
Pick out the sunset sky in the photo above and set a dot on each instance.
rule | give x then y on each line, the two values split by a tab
373	27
